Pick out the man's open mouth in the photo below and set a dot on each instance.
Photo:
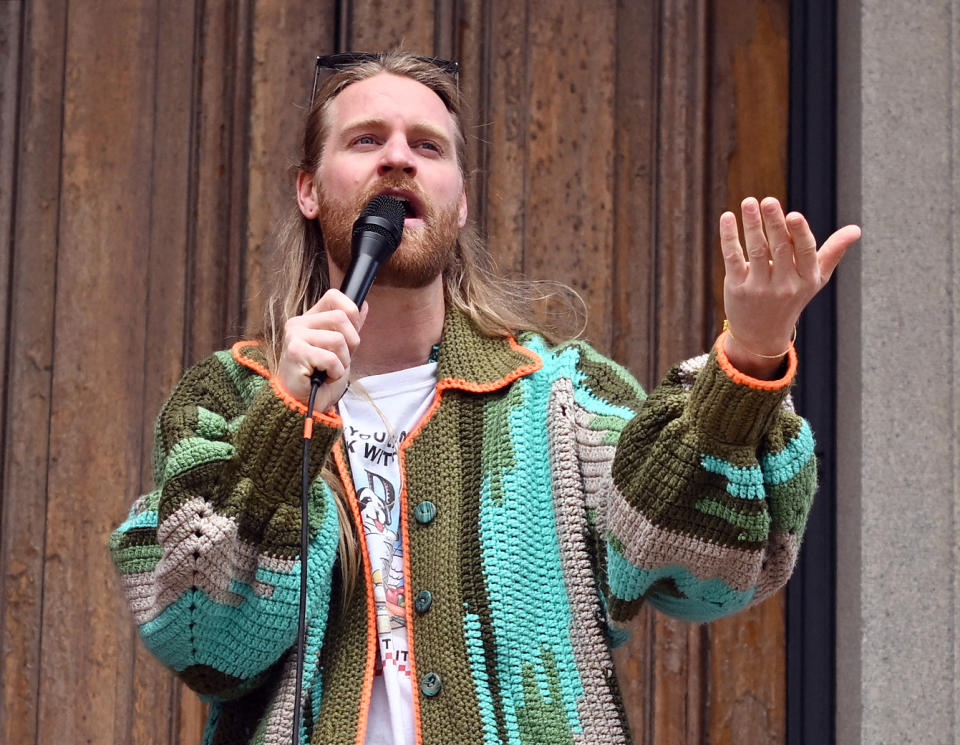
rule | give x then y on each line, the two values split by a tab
411	204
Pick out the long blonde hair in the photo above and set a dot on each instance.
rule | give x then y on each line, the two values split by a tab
496	305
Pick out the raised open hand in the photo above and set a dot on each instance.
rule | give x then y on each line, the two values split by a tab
765	292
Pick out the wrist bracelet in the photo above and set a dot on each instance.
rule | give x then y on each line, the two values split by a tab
726	327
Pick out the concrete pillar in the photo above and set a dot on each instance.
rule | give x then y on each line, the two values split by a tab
898	667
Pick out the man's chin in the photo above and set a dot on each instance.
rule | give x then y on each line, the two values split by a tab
425	250
402	272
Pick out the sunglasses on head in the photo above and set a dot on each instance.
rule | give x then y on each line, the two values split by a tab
342	60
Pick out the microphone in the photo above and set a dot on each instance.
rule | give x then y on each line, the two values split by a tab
376	235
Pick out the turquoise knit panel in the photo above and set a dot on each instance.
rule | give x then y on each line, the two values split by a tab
530	613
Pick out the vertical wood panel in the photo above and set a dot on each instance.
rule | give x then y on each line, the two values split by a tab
214	297
376	25
661	296
681	219
570	152
505	131
748	677
94	442
634	244
155	692
11	27
466	40
750	79
681	302
29	355
682	168
286	39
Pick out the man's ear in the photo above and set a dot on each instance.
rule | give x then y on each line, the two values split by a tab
462	212
307	195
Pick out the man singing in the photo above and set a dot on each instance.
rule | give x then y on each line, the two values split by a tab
491	503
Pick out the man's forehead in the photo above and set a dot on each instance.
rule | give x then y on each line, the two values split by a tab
386	96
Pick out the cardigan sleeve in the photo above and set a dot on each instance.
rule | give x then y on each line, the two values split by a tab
712	479
209	560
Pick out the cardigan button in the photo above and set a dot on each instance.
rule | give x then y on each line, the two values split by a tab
431	684
423	601
425	512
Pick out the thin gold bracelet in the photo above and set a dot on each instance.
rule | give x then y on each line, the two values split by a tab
726	327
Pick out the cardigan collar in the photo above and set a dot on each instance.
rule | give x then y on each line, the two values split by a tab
471	361
468	359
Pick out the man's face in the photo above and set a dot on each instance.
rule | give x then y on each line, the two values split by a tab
390	134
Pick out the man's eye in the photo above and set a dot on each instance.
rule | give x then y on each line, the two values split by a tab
364	140
432	146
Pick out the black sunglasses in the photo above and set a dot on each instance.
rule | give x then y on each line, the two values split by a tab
348	59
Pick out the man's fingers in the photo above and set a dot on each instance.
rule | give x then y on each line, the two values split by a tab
757	249
332	320
733	261
833	249
306	357
342	341
778	238
805	245
335	300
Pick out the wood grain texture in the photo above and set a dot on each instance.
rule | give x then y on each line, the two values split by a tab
30	300
750	80
220	130
94	434
287	37
153	701
692	146
570	152
11	29
377	25
635	244
747	677
465	38
681	219
505	130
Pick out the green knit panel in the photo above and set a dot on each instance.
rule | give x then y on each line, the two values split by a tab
435	472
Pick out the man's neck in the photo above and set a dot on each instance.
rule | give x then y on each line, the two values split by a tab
401	328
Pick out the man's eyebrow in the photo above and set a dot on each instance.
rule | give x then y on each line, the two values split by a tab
418	127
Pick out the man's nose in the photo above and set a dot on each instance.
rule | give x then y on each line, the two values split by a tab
397	156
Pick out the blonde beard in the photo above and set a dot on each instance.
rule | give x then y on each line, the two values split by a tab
423	253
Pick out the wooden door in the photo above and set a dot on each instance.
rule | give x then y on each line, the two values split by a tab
144	164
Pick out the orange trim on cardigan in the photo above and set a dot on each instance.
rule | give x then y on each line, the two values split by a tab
368	672
329	417
743	379
407	569
468	385
408	573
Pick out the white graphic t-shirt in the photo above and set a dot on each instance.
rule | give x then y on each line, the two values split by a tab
378	412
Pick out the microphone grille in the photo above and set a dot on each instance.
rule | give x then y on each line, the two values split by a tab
388	208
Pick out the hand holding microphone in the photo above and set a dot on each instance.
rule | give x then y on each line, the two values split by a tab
323	338
318	345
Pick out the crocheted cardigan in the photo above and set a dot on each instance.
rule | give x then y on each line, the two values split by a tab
561	500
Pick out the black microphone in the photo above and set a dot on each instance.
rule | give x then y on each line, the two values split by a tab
376	235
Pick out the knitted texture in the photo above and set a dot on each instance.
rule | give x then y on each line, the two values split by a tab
564	500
